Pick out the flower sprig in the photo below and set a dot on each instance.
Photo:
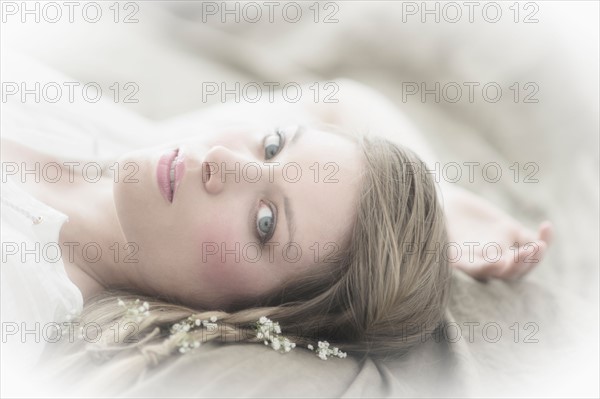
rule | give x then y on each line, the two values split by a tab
186	343
266	330
269	331
324	351
135	310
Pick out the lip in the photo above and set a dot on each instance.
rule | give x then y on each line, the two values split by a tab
163	171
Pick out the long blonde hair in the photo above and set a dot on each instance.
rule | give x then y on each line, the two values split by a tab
389	286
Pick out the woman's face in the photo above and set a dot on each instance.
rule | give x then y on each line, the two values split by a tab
252	207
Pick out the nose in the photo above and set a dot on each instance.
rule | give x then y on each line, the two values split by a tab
223	167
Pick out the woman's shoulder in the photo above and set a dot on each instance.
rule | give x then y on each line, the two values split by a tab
35	285
36	294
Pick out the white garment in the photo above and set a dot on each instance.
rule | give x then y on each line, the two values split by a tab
37	294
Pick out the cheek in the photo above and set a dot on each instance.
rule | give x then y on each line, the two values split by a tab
219	251
136	202
229	262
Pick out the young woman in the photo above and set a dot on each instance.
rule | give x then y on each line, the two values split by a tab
330	226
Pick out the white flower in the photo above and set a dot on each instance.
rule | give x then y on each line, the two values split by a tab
213	318
325	351
269	331
135	310
310	347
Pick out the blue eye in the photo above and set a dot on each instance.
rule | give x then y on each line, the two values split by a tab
273	144
265	222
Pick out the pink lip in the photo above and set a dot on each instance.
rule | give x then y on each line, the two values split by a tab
163	174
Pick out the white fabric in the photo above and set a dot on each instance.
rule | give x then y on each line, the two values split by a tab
37	294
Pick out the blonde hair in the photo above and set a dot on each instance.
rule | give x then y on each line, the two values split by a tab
388	287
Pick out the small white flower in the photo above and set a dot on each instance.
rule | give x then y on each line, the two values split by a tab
269	331
213	318
324	351
310	347
134	310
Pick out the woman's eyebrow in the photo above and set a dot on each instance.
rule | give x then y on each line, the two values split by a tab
301	129
289	219
289	212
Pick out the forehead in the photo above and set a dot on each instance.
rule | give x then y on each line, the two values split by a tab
324	199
